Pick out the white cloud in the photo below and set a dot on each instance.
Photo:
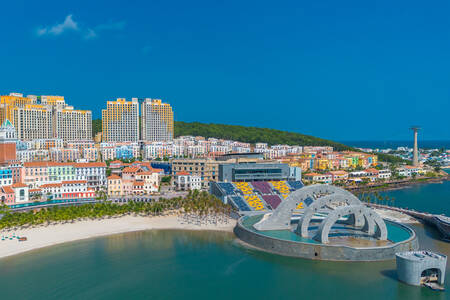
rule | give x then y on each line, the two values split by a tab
58	29
90	34
87	33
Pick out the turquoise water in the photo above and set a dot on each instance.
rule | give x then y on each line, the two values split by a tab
206	265
396	233
433	198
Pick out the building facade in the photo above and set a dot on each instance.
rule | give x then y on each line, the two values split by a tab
120	121
157	120
45	117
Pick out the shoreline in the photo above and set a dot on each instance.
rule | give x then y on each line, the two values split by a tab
397	186
55	234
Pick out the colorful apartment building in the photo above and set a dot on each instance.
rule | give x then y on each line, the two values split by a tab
157	120
120	121
45	117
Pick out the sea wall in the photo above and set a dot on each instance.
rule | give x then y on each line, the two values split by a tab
322	251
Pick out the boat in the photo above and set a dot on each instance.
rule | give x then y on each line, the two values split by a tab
443	224
22	239
434	286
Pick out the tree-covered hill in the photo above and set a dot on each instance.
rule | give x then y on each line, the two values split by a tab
254	135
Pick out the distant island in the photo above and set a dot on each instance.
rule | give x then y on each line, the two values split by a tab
254	135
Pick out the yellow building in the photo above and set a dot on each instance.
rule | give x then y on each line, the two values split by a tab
45	117
157	120
33	122
115	186
120	121
73	125
9	102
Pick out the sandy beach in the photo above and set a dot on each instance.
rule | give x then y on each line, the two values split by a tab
50	235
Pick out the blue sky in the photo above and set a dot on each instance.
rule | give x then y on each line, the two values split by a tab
344	70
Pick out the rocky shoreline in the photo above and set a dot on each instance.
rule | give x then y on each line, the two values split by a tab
397	185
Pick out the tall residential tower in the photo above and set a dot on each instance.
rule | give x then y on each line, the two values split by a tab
120	121
157	120
45	117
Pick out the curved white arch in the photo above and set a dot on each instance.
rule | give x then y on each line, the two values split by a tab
371	217
281	217
303	224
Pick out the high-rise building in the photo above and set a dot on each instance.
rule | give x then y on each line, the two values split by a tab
157	120
9	102
120	121
73	125
45	117
33	122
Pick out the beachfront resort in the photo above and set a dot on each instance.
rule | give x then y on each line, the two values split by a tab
62	182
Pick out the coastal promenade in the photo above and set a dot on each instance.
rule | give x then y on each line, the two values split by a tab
441	222
396	184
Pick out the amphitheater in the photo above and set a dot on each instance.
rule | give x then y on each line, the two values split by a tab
316	222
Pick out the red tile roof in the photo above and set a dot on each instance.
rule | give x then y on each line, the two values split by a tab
131	170
19	185
49	185
74	182
182	173
7	189
91	165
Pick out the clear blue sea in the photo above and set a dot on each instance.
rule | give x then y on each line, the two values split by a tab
426	144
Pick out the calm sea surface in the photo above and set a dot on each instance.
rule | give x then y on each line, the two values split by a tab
210	265
428	144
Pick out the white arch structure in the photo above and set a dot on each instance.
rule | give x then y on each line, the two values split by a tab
359	214
371	219
281	217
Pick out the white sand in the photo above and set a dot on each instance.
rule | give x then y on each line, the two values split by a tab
40	237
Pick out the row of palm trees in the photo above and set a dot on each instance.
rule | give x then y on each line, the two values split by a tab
377	198
197	205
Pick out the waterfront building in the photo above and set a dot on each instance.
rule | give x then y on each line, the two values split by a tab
115	187
120	121
137	179
338	176
21	192
43	172
157	120
384	174
74	189
93	172
206	169
185	182
318	178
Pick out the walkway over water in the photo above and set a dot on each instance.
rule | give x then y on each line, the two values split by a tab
441	222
